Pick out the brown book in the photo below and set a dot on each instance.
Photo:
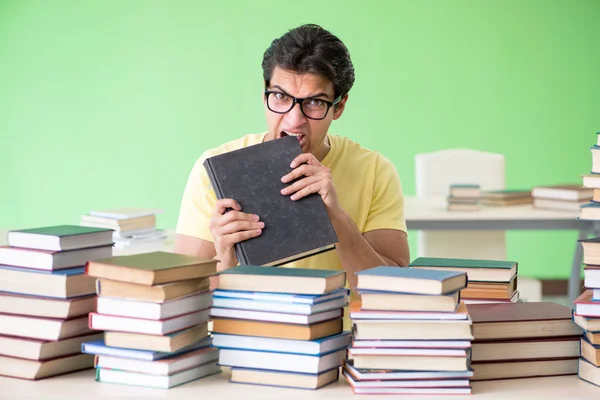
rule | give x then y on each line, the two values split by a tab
589	352
155	294
525	349
33	370
43	328
596	197
593	337
33	349
277	330
49	307
406	301
523	369
507	194
412	363
521	320
489	290
506	202
589	372
151	268
588	324
167	343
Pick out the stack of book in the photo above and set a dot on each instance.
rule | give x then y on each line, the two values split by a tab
134	227
154	309
523	340
464	197
561	197
503	198
411	333
281	326
45	298
489	281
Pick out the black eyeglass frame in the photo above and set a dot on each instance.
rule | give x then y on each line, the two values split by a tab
299	101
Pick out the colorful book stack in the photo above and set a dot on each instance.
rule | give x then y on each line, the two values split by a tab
523	340
504	198
561	197
411	333
587	306
154	309
134	227
489	281
464	197
45	298
281	326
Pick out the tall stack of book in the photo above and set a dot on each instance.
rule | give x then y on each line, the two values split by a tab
45	298
587	306
154	309
504	198
489	281
281	326
523	340
411	333
464	197
134	227
561	197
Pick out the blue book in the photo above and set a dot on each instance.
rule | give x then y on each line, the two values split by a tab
316	347
63	284
97	347
295	380
281	297
409	280
281	280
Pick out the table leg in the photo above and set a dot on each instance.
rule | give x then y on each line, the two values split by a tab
575	278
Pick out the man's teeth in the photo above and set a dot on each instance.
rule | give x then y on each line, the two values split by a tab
293	134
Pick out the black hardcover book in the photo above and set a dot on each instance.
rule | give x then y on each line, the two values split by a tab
252	176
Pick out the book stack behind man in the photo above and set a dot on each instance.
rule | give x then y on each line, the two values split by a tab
411	325
587	306
45	299
154	309
464	197
523	340
135	228
281	326
504	198
489	281
561	197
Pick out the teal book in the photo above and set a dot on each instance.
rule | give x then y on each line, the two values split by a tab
60	237
477	270
406	280
281	280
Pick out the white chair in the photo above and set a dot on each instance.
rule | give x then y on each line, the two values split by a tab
435	172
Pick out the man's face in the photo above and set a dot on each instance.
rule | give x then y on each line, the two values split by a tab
310	133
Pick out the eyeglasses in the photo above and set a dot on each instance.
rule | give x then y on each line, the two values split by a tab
282	103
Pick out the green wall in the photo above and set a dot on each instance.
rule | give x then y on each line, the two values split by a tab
109	103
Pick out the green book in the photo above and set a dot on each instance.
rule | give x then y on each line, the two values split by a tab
477	270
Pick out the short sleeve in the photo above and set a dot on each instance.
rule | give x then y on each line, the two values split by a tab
387	202
197	204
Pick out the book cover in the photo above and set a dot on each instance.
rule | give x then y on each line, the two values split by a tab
460	262
509	312
252	176
284	272
398	272
60	230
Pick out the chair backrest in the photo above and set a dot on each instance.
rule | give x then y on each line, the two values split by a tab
436	171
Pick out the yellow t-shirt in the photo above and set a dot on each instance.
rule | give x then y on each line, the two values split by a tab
366	183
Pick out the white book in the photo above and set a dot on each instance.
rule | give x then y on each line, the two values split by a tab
125	212
407	352
166	366
155	311
104	322
416	383
418	344
277	317
272	306
282	297
51	260
310	347
281	361
428	389
387	375
160	381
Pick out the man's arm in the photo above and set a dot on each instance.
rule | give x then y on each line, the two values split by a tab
359	251
194	246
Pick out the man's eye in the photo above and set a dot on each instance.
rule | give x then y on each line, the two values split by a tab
281	96
315	103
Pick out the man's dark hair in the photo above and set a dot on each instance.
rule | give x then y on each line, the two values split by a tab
311	49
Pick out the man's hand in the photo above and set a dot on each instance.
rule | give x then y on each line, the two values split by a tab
229	228
317	179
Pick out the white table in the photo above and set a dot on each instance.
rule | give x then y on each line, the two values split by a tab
81	385
431	214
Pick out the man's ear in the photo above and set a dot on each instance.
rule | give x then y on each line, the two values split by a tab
339	109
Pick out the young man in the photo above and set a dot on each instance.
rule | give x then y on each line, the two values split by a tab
308	74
